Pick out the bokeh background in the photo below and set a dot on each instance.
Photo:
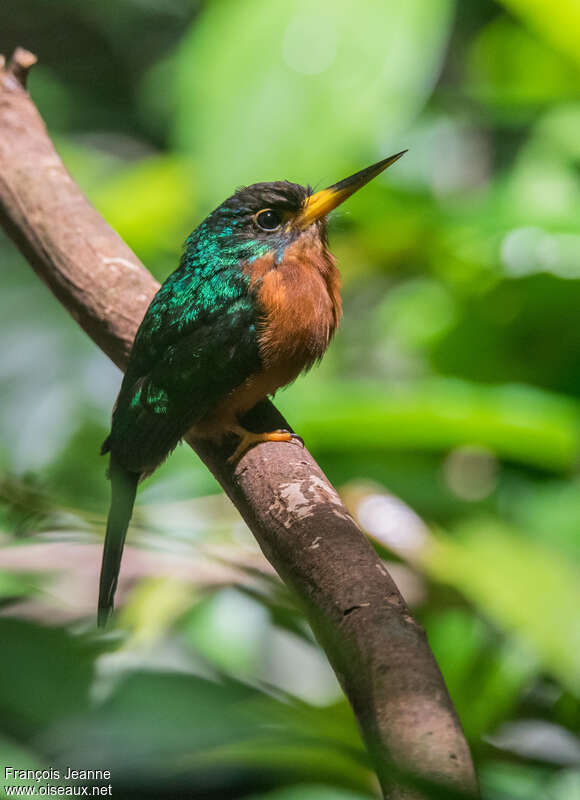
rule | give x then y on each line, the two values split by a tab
447	410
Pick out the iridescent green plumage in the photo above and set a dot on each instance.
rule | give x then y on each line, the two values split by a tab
254	301
197	342
198	339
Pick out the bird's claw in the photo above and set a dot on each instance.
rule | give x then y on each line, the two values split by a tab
296	438
248	439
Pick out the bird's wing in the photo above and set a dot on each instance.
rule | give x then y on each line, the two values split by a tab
187	356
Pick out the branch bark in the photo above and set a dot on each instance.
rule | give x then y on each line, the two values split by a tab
377	650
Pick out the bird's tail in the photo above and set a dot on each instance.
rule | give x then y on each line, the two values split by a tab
123	491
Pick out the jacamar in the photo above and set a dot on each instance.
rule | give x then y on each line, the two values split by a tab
254	302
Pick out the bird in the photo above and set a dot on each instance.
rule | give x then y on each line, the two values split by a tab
254	301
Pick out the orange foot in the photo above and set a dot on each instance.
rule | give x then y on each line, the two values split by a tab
248	439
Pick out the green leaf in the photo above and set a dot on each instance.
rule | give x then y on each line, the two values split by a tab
558	22
18	757
169	727
45	675
522	586
311	792
149	204
309	92
516	422
504	781
513	69
548	512
485	675
17	584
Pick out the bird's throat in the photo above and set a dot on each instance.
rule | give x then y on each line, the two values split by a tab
299	302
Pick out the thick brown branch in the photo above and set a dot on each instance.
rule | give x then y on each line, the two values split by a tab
379	653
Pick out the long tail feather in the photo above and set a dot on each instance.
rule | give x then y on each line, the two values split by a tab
123	491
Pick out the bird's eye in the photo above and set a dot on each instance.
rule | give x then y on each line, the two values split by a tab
268	220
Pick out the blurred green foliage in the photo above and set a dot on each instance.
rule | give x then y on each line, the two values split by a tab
447	410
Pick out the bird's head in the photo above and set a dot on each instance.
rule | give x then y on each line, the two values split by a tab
267	217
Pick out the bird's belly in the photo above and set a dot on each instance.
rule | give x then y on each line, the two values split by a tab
224	418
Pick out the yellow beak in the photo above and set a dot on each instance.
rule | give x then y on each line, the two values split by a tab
322	203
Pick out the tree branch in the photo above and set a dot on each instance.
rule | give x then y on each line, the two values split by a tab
378	652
